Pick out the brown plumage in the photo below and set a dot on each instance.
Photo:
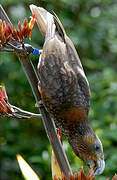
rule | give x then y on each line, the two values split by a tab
65	90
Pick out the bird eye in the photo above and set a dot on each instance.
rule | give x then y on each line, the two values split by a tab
97	147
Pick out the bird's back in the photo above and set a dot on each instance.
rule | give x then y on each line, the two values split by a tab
63	84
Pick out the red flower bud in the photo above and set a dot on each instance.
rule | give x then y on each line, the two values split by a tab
4	105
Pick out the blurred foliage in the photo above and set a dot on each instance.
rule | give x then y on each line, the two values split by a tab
92	26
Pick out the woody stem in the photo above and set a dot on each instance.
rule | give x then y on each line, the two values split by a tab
47	121
30	114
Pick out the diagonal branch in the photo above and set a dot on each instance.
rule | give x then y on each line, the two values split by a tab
47	121
30	114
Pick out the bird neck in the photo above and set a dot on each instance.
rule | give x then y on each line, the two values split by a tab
78	133
80	129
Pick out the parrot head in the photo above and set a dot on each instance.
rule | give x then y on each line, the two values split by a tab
88	147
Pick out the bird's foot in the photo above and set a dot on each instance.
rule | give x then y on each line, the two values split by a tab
39	104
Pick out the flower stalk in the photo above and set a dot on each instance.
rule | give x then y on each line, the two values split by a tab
8	110
33	81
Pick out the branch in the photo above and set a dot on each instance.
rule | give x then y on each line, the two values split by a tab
6	50
8	110
47	121
31	115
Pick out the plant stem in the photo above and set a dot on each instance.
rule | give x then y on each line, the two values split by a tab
26	112
47	121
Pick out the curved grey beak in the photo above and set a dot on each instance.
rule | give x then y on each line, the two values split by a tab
99	166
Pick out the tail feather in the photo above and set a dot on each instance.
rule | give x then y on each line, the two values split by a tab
59	26
50	31
48	24
41	18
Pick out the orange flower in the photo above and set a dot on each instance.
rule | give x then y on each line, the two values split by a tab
31	25
7	31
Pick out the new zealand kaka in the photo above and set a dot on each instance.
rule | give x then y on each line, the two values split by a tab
65	90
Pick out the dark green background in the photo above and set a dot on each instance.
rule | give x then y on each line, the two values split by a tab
92	26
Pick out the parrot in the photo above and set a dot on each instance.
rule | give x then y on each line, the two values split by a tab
65	90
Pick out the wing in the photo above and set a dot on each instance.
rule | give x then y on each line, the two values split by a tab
82	95
61	74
